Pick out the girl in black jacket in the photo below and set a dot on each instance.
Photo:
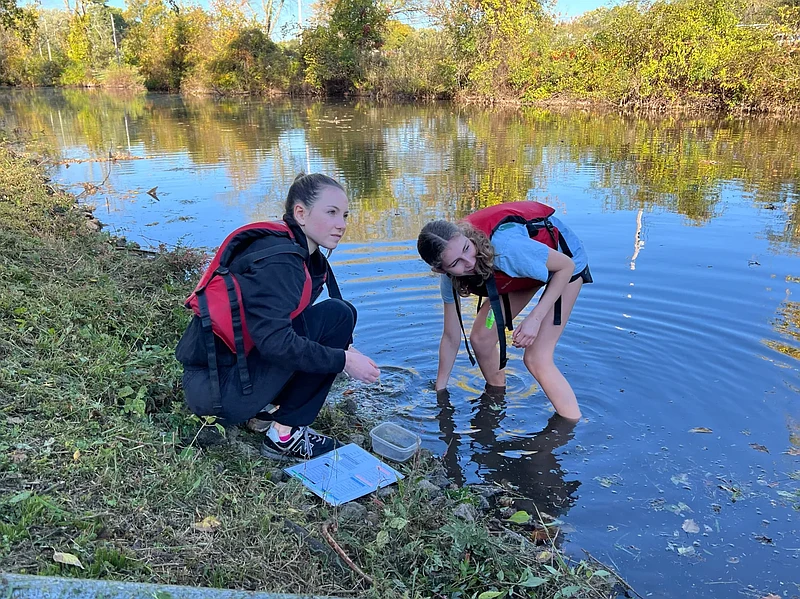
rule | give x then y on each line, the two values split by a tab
295	357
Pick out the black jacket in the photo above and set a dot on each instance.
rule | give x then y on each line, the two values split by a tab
271	291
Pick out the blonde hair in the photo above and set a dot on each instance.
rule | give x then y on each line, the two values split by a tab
432	242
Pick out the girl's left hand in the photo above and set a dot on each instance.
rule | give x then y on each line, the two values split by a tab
525	334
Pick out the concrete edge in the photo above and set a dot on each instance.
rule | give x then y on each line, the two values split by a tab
23	586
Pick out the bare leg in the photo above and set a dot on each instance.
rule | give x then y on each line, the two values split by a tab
539	357
484	340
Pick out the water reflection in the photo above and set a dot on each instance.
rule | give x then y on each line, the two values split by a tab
529	462
415	162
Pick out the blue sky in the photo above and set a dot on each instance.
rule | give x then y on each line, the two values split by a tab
565	8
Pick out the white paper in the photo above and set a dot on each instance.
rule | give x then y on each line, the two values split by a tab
344	474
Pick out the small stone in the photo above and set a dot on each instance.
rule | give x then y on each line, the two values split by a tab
440	481
428	488
349	406
358	439
275	475
353	512
486	490
483	504
466	512
373	519
439	503
387	492
507	512
425	454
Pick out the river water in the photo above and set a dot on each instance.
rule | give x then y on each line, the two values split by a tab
692	226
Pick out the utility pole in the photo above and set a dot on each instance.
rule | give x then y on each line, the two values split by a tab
114	35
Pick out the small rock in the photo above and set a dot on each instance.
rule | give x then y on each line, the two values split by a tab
439	503
209	437
505	501
358	439
429	488
373	519
353	512
440	481
483	504
486	490
425	454
387	492
93	225
466	512
275	475
507	512
349	406
245	449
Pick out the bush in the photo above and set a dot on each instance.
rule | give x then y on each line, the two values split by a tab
122	77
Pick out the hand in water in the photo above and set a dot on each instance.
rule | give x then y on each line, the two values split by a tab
360	367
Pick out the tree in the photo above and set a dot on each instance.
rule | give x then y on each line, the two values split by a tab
17	20
338	49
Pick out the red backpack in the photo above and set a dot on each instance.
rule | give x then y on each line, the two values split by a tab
217	299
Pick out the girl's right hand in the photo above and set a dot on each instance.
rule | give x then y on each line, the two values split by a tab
360	367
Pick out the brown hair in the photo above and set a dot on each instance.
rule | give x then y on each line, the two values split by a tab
433	239
305	189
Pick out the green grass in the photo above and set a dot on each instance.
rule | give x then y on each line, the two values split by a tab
98	459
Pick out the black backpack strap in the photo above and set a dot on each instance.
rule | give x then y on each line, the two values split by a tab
561	243
507	306
238	337
331	284
457	301
494	301
211	351
284	248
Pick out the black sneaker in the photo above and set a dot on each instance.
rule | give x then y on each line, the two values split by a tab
303	444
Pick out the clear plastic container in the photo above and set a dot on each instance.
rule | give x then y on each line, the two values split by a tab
394	442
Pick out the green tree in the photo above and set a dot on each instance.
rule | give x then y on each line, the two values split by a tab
339	50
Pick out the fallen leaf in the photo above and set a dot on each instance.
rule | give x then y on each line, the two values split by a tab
542	535
680	479
67	558
18	456
77	455
686	550
347	392
14	420
208	524
520	517
758	447
690	526
700	429
544	556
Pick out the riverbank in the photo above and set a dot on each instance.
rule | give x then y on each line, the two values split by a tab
100	461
